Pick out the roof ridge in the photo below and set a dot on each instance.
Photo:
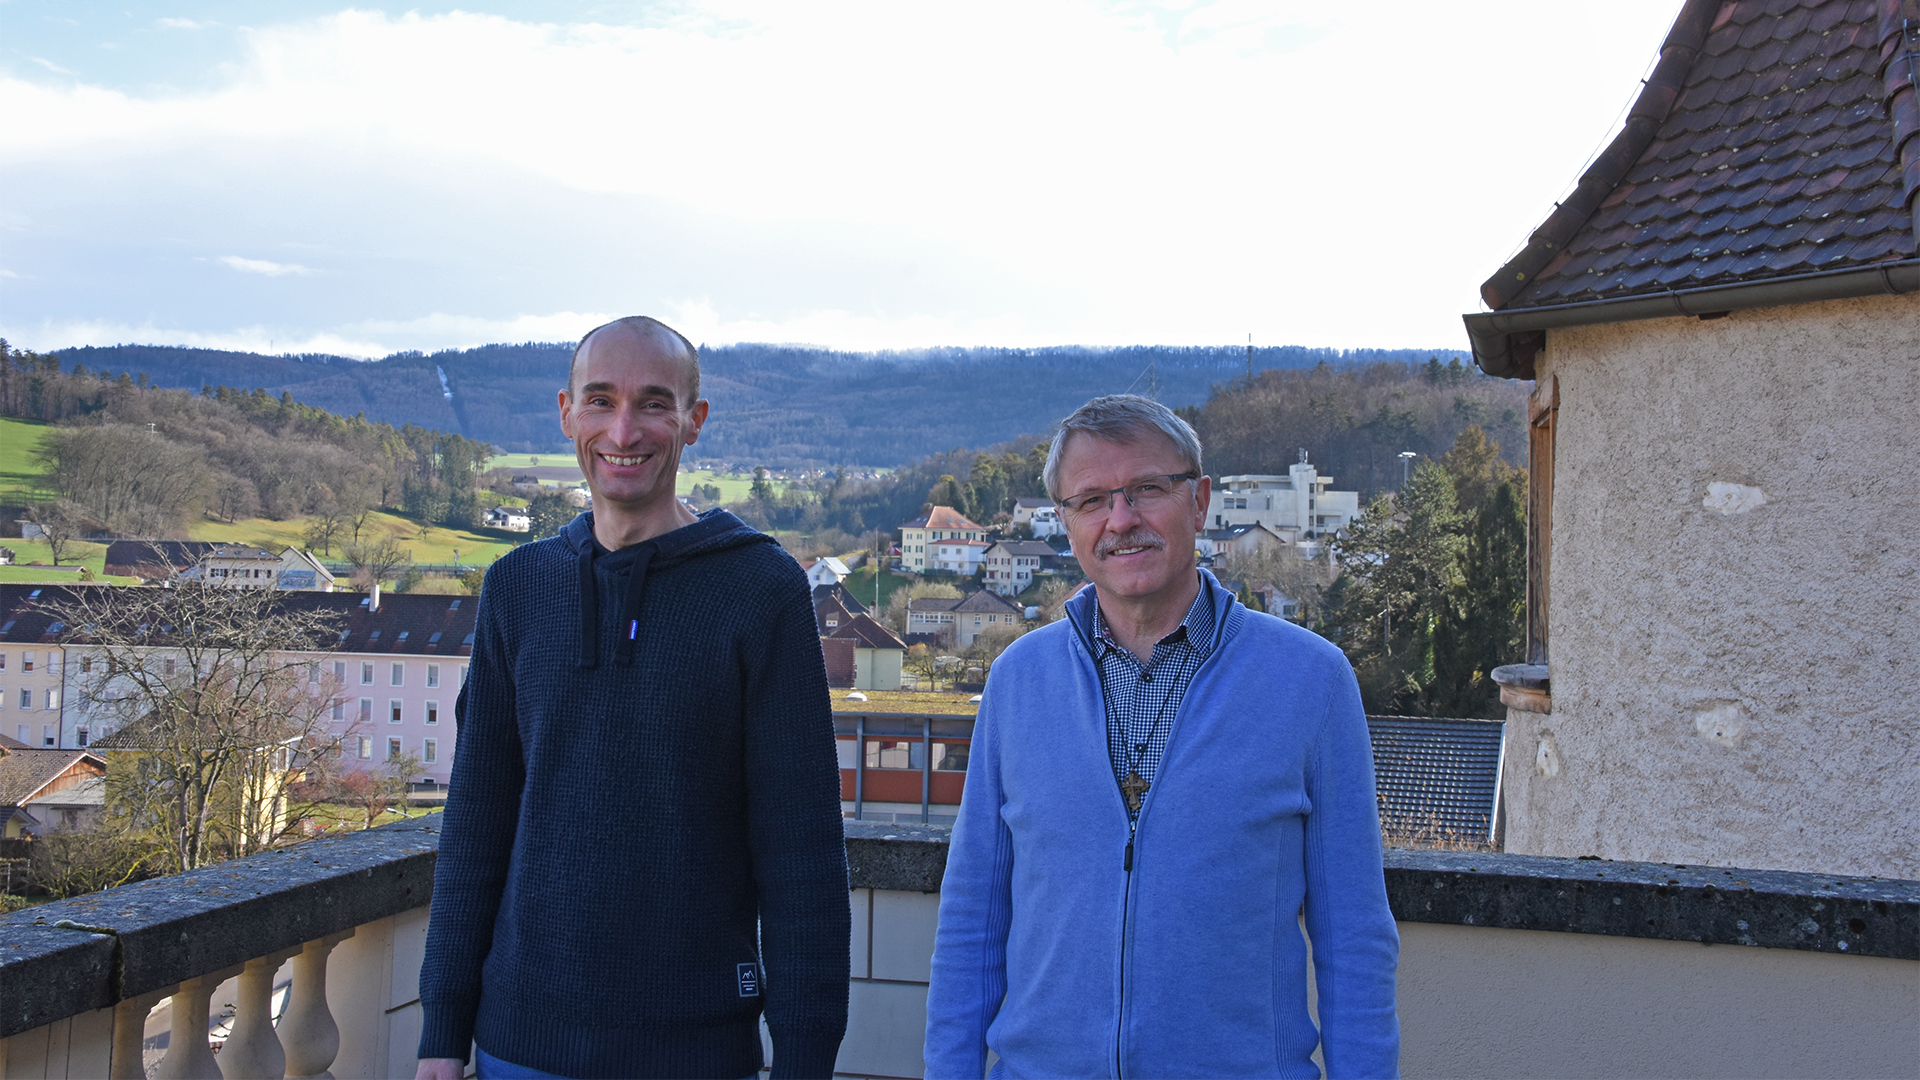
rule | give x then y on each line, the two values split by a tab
1648	112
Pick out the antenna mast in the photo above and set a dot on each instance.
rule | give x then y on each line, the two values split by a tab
1249	360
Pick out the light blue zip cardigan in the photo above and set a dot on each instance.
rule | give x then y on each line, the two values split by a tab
1191	963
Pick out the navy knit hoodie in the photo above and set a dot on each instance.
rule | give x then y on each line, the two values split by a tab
644	769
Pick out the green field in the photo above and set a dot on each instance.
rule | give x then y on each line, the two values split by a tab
860	583
431	544
19	473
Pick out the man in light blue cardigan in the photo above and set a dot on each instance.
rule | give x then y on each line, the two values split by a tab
1164	785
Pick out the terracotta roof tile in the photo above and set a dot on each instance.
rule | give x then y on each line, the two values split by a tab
1776	154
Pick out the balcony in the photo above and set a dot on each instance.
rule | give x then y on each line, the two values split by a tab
1510	966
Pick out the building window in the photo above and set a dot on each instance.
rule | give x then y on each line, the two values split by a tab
366	673
433	676
430	751
433	712
366	710
167	666
3	661
80	736
26	698
339	710
950	757
393	749
340	671
53	700
463	674
313	673
393	711
50	735
26	661
86	665
366	747
399	674
893	754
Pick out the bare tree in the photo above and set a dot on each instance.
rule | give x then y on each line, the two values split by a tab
377	562
213	712
61	525
130	478
325	522
372	793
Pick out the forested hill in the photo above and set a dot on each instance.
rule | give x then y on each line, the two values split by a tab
781	406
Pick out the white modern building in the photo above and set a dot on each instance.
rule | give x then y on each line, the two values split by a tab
1301	501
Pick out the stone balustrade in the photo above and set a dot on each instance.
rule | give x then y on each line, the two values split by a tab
1510	966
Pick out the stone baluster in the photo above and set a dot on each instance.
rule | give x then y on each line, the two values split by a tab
189	1057
307	1028
253	1050
130	1034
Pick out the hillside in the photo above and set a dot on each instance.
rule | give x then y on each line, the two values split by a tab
781	406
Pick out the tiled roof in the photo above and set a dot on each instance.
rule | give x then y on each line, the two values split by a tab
965	543
1026	547
869	634
838	653
8	742
984	600
1775	138
158	554
24	772
941	517
407	623
1437	777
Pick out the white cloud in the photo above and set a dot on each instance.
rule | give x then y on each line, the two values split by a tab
50	65
1066	170
262	266
50	335
181	24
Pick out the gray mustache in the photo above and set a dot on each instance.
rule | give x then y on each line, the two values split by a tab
1131	538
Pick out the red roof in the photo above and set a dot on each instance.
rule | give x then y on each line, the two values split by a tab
943	517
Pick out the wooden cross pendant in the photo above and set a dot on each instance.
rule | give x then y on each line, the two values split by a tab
1133	787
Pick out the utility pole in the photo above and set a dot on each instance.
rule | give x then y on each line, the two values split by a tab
1406	457
1153	381
1249	360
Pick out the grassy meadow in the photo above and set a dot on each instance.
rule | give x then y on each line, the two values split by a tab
931	702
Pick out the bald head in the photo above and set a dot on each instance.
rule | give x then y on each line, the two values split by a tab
644	330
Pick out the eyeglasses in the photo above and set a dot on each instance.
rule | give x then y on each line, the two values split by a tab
1141	495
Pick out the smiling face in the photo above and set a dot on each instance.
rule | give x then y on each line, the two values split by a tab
628	414
1140	556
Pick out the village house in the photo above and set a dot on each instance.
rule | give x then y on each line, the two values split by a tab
918	536
1239	541
826	570
1720	326
878	655
956	622
1012	564
509	518
1301	503
44	791
240	566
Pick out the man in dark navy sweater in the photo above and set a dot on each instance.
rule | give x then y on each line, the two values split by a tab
642	842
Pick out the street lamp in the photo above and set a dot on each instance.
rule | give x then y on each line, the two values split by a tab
1406	458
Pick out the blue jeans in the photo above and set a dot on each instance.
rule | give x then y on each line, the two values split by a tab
488	1067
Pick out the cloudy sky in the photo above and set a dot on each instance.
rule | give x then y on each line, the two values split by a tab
299	175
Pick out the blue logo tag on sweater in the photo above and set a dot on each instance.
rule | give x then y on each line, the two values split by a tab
749	980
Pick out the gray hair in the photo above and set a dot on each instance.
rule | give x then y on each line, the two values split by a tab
645	325
1121	418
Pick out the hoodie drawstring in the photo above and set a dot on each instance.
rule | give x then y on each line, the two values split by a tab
629	610
589	609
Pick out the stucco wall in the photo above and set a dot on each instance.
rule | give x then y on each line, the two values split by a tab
1734	686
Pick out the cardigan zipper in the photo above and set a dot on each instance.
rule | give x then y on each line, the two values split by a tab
1126	904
